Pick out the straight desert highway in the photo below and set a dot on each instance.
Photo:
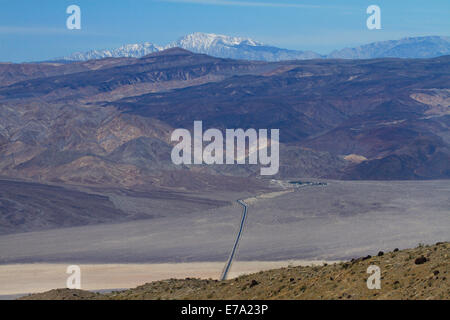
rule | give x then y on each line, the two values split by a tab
342	220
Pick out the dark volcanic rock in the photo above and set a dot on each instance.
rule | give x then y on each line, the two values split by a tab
420	260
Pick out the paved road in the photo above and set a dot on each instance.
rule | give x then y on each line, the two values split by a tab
238	237
236	243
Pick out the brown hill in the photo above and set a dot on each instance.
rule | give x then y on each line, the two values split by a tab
108	122
420	273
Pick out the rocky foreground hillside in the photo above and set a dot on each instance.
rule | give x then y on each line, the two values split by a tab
419	273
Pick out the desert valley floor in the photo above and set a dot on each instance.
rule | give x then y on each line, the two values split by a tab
341	220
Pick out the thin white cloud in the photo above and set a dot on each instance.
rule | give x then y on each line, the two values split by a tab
18	30
29	30
244	3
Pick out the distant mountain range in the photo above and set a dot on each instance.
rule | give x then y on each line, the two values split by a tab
247	49
417	47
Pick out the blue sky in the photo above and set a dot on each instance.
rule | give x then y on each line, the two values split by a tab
32	30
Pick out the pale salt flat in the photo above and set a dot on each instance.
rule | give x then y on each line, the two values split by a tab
19	279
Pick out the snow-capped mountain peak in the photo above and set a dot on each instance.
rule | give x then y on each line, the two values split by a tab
128	50
236	48
200	41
